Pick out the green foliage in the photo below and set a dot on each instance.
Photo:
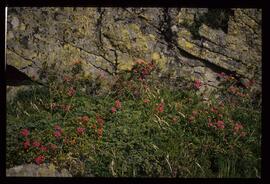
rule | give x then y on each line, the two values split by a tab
137	139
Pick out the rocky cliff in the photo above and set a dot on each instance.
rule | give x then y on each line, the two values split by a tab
185	42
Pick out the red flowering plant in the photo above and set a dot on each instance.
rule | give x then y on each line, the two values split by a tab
141	69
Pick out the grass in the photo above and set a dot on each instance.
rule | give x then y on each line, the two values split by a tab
139	139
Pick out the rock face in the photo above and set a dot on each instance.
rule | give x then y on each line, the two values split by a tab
185	42
32	170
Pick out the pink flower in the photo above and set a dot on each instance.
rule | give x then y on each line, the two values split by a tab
25	132
197	84
221	75
57	134
238	127
80	130
220	124
84	119
26	144
210	124
118	104
100	121
43	148
36	144
58	128
40	159
160	107
71	91
113	109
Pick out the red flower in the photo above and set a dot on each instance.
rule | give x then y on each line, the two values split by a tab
100	121
210	124
43	148
25	132
118	104
191	118
113	109
238	127
94	126
57	134
80	130
146	101
58	128
36	144
71	91
100	132
26	144
84	119
197	84
220	124
160	107
40	159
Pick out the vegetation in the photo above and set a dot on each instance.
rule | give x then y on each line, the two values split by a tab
139	127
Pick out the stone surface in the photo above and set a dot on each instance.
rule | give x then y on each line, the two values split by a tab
33	170
182	41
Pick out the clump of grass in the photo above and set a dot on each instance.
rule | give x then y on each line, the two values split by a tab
138	129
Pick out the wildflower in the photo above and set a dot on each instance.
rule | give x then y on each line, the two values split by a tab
214	110
84	119
100	121
80	130
146	101
160	107
117	104
197	84
194	113
237	127
210	124
94	126
25	132
220	124
113	109
58	128
26	144
71	91
43	148
40	159
100	132
221	75
57	134
36	144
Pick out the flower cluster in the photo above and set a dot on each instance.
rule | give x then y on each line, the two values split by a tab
84	119
117	105
40	159
100	123
25	132
71	92
80	130
218	124
141	69
197	84
58	131
160	107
